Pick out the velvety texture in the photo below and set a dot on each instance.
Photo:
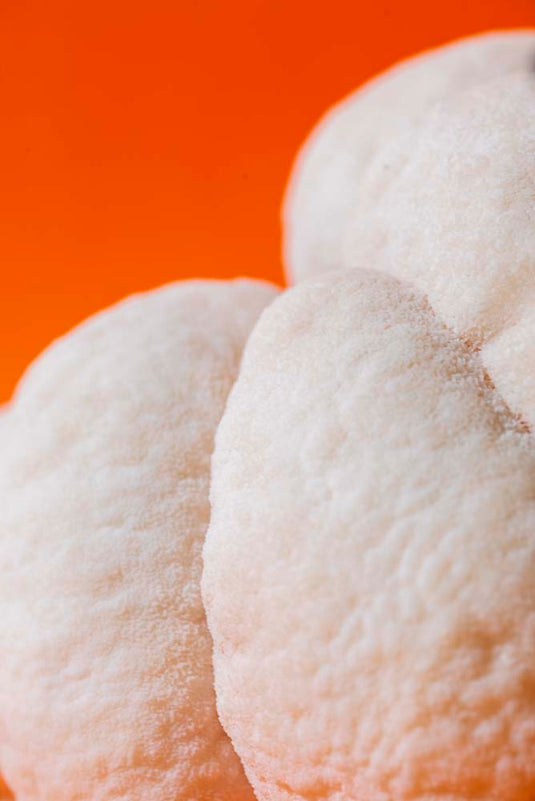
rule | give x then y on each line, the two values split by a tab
450	209
369	569
327	177
106	684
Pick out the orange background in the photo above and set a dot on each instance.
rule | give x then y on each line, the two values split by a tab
147	141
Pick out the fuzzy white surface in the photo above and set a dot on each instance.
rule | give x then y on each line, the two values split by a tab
106	685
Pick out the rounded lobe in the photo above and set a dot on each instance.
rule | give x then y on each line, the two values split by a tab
368	570
106	684
328	174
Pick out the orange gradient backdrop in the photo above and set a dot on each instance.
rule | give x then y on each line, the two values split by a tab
147	141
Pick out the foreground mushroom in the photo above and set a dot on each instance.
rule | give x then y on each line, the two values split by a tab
106	685
369	570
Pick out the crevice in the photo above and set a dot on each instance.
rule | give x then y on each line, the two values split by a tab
475	346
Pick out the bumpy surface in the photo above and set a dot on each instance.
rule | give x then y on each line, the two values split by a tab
369	568
450	208
106	684
326	180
